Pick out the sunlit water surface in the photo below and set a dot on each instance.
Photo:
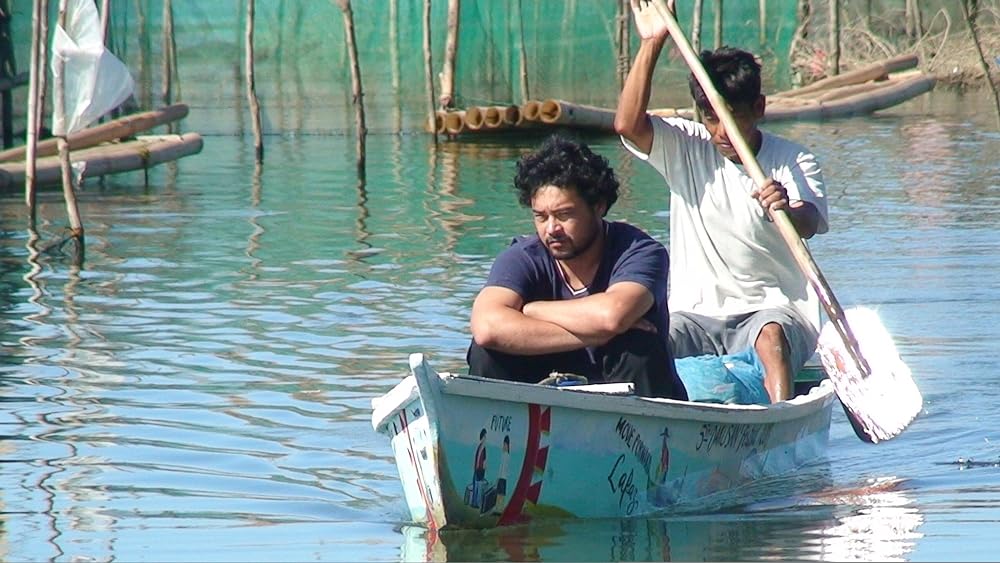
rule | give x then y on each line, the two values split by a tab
200	389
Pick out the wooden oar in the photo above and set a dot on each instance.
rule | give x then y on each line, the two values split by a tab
876	388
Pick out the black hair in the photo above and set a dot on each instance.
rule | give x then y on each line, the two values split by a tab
734	73
564	163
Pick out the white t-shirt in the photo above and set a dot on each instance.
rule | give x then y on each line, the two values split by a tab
726	258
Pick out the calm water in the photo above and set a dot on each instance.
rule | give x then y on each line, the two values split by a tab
201	389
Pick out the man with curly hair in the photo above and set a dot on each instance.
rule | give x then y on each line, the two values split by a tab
582	295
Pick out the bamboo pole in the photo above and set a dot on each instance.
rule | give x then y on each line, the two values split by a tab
969	17
69	194
698	10
475	118
762	14
358	94
450	52
897	91
803	15
138	154
119	128
873	71
36	101
258	138
834	66
914	20
500	117
169	52
8	70
839	92
908	19
579	115
105	20
43	69
454	122
435	124
696	16
510	116
853	89
686	113
622	40
438	124
718	24
522	54
145	49
565	30
531	110
394	64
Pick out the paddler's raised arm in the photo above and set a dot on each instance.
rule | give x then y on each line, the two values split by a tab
631	120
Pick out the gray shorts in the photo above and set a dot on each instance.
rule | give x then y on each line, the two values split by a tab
697	335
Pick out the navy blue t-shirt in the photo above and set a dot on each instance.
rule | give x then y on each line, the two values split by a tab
527	268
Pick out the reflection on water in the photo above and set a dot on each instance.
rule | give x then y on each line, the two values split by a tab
883	528
200	388
875	522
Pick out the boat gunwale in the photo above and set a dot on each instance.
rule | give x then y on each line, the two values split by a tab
818	398
566	397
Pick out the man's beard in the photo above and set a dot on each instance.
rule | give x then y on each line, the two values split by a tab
574	250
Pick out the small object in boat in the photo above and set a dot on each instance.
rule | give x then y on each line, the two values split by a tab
557	379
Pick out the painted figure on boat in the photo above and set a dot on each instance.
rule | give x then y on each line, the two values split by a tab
502	476
735	284
582	295
661	470
479	494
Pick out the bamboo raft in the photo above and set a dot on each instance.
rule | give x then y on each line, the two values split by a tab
862	91
108	158
108	148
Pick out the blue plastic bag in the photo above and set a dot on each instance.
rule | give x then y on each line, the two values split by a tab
732	379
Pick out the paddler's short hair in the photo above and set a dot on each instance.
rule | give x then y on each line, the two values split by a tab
566	164
735	74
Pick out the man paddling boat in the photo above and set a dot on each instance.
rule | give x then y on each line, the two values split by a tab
734	282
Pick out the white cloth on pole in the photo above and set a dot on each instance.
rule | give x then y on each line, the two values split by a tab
94	81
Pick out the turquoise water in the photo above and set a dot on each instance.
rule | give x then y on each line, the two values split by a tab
200	389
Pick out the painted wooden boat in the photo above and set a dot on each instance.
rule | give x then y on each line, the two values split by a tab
474	452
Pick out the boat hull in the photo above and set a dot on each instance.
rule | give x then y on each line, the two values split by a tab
473	452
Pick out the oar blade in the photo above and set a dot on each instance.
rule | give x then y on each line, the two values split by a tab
880	405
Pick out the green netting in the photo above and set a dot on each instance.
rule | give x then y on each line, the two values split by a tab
302	71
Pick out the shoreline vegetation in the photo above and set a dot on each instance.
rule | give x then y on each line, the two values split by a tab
941	39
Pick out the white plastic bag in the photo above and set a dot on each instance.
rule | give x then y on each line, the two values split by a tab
94	81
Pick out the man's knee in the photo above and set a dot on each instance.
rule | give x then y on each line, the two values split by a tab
688	338
635	342
772	338
484	362
493	364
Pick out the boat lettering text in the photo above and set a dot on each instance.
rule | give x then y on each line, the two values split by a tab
621	484
500	423
732	436
630	435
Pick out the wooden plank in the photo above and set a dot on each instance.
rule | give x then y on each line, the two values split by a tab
111	158
874	71
866	102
